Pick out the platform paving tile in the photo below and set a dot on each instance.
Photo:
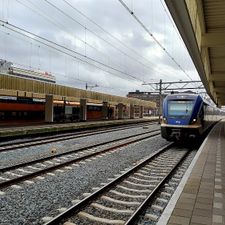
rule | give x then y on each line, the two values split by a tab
190	190
203	206
179	220
201	220
202	212
187	200
218	186
203	195
206	185
195	223
188	195
188	206
218	195
208	179
182	212
218	219
219	212
218	205
202	201
206	191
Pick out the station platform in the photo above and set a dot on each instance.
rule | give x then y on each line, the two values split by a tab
19	131
200	197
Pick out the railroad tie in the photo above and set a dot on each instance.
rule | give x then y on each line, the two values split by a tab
99	219
69	223
2	193
139	185
127	195
151	217
133	190
121	211
119	201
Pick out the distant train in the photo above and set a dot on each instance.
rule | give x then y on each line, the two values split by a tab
8	68
22	108
71	111
18	108
186	116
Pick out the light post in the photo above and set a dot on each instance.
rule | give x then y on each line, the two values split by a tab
90	86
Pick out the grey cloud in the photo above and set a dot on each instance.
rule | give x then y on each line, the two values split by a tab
114	18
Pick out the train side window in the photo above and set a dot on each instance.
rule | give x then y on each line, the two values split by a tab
13	113
2	115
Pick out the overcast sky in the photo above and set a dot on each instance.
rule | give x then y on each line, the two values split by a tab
98	42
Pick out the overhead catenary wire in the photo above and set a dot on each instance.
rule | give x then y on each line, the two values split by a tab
153	37
87	29
102	53
103	39
37	68
116	39
85	58
33	68
85	42
56	24
66	54
171	21
174	27
94	33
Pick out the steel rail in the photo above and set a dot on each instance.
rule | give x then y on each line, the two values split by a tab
77	207
55	167
46	140
151	196
72	151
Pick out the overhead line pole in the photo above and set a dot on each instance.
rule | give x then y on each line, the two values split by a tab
160	98
160	88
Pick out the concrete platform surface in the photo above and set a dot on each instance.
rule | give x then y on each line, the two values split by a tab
202	198
53	128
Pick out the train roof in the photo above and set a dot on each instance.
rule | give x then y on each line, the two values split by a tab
188	96
183	96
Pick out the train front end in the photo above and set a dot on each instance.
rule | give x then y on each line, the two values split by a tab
180	119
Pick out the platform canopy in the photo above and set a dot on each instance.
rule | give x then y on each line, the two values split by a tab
201	24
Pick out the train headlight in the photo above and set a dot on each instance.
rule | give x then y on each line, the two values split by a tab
164	119
194	121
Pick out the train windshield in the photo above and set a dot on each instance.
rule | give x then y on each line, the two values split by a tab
180	108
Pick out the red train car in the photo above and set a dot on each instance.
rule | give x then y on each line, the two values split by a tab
20	109
15	109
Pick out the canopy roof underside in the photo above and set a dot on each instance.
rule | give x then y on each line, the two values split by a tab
202	26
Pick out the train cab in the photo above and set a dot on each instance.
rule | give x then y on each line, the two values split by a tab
183	116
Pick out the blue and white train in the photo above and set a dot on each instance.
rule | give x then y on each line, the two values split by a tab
186	116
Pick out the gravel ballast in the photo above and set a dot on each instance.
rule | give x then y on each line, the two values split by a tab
35	201
9	158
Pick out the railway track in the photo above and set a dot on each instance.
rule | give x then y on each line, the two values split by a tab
63	137
123	200
23	172
154	210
